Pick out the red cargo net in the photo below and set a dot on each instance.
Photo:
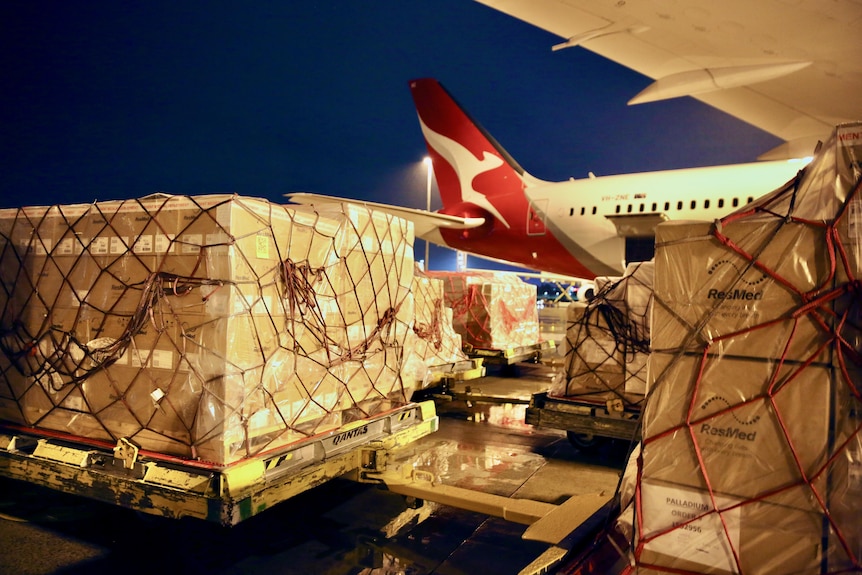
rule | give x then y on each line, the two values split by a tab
491	311
751	460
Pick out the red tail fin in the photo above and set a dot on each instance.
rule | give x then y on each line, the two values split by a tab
478	179
474	173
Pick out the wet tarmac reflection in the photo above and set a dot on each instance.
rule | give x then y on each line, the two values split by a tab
341	527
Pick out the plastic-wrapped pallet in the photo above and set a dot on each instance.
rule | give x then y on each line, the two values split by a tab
607	339
208	327
752	440
491	310
632	297
433	340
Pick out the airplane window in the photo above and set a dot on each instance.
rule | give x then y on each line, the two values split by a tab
706	204
654	206
721	202
641	208
618	209
594	210
629	209
667	206
735	202
750	199
679	205
693	204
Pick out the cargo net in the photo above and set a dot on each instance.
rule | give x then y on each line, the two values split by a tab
210	327
607	340
436	342
491	310
751	458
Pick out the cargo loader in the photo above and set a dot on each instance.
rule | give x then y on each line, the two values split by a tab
213	356
604	374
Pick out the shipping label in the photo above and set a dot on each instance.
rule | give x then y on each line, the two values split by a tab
697	533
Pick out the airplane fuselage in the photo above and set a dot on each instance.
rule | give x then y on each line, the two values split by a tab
580	227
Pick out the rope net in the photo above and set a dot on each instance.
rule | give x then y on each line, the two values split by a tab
211	327
436	342
607	339
751	459
492	311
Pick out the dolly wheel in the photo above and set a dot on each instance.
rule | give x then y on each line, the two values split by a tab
585	441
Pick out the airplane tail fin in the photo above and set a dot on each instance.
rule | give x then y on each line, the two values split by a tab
474	173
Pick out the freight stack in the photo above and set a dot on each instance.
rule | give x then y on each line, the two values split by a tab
607	339
491	310
752	434
210	327
433	340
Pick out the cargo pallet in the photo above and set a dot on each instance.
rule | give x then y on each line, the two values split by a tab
512	355
173	487
586	419
470	392
457	371
367	451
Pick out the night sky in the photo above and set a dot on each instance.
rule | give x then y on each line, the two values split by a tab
105	100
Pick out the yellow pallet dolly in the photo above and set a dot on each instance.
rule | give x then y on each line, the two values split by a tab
227	495
367	451
511	355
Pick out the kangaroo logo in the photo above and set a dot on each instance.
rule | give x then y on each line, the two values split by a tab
466	166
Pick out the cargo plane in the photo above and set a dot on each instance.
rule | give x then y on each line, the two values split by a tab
580	228
792	69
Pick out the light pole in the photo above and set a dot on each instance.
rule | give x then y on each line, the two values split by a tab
427	161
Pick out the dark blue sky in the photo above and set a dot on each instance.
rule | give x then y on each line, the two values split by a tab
104	100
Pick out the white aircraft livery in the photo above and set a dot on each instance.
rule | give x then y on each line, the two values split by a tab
791	68
579	228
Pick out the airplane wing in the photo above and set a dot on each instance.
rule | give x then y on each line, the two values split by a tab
793	69
425	224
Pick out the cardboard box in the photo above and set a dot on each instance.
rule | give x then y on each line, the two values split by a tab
436	342
632	294
193	325
765	442
682	530
636	373
752	453
377	377
746	426
708	294
596	360
492	310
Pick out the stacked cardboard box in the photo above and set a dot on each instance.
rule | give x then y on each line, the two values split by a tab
752	450
433	340
607	339
491	310
209	327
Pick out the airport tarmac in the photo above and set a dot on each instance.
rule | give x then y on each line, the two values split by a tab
341	527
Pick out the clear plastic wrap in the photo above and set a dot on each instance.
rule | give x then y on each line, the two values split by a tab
433	339
208	327
491	310
607	339
752	432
